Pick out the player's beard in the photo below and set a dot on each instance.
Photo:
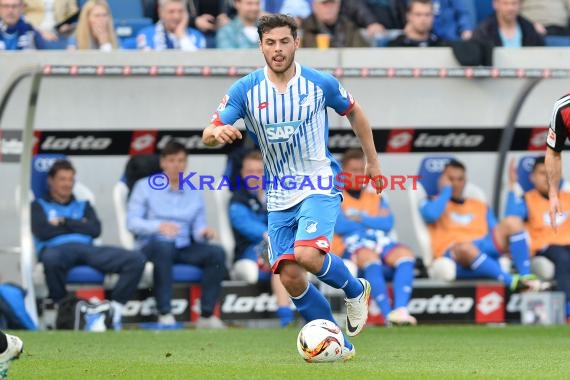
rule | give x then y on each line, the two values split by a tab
283	66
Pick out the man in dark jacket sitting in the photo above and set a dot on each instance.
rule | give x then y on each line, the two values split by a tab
64	229
507	27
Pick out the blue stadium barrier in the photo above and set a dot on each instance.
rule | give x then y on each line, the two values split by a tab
557	41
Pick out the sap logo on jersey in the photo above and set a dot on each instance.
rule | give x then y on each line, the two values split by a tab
281	132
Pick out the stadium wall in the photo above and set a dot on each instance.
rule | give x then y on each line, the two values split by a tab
180	104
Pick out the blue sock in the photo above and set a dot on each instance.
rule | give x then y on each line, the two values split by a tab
373	273
336	274
285	315
518	246
568	309
312	305
484	266
403	282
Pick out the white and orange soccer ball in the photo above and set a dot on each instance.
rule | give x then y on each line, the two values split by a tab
320	341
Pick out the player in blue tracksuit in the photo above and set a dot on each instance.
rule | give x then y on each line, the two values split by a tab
64	229
15	33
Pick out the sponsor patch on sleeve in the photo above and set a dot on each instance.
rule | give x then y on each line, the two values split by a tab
551	138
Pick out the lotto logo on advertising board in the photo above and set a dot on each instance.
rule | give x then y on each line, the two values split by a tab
490	304
400	141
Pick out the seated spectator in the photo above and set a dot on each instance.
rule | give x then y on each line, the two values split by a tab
64	229
209	16
390	14
170	227
362	228
507	27
549	17
466	239
171	31
534	208
15	33
241	32
248	204
453	20
45	16
418	29
327	19
95	29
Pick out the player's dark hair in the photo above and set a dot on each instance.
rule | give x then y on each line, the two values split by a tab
538	161
272	21
172	147
425	2
253	155
352	154
60	165
453	163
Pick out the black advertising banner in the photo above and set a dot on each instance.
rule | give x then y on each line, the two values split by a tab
93	142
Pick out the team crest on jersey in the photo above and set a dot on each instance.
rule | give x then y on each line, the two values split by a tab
551	138
311	227
223	103
463	219
281	132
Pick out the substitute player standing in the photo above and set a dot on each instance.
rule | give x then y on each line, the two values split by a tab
557	135
284	106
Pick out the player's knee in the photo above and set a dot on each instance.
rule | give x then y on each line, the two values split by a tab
465	253
309	258
365	256
293	278
542	267
443	269
513	224
245	270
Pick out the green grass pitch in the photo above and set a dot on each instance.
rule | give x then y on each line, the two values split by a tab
425	352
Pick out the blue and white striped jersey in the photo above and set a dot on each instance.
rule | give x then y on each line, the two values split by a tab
291	129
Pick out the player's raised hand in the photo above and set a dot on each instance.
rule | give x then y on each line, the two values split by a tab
227	134
372	170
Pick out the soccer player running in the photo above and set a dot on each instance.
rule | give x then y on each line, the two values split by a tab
10	348
284	106
557	135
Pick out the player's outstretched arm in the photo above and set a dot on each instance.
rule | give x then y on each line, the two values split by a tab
215	135
553	172
361	126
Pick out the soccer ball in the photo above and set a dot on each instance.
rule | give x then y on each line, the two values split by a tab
320	341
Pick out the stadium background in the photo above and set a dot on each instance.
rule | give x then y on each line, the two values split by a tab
183	105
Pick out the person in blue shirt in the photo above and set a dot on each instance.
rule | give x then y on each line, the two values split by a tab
248	204
241	32
64	229
453	20
507	28
170	227
171	31
15	32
